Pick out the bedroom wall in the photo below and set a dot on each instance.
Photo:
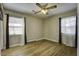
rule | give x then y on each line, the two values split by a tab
1	34
78	30
33	26
1	29
0	38
51	28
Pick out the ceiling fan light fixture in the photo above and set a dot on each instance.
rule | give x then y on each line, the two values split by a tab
44	11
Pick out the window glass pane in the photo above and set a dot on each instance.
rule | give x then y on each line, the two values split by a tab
68	25
15	25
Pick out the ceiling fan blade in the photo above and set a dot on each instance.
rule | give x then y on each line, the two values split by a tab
51	7
38	5
35	12
38	12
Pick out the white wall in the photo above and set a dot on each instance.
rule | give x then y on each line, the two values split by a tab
78	30
1	30
4	32
0	38
33	28
51	28
1	34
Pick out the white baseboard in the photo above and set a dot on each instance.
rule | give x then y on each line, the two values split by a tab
16	45
41	39
33	40
50	39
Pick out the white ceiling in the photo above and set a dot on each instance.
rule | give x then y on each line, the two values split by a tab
28	7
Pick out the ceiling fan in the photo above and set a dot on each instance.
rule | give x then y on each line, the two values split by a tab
43	8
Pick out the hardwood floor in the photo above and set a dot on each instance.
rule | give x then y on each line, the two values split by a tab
41	48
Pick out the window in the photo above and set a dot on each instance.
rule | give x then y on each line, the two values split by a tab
68	25
15	26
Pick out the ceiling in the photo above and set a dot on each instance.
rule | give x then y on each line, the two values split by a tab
28	7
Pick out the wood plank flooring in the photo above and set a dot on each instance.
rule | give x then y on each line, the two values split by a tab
40	48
